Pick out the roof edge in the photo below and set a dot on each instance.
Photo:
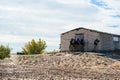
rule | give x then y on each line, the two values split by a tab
89	30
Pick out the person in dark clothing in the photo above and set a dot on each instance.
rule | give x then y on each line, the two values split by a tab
76	45
72	41
95	44
82	43
79	45
72	44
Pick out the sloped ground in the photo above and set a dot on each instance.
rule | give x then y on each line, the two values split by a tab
60	66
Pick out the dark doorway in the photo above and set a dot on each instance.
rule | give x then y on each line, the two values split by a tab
79	36
80	39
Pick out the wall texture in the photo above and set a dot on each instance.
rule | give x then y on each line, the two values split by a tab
106	40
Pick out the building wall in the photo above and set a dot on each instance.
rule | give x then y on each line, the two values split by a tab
106	40
65	39
90	37
119	43
116	45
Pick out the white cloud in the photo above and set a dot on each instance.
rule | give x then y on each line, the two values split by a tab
13	38
24	39
20	22
112	3
72	2
9	8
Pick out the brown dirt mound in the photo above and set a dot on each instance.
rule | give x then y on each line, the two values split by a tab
61	66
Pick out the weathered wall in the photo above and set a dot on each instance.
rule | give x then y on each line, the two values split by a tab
116	45
89	38
89	41
119	42
65	39
106	40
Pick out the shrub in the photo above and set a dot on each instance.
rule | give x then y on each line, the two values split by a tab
34	47
4	51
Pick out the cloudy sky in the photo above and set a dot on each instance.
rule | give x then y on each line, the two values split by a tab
22	20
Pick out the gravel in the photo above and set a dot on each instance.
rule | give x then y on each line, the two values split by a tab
60	66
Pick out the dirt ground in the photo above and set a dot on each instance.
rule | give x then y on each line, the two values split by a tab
60	66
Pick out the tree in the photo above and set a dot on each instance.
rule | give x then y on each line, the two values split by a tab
34	47
4	51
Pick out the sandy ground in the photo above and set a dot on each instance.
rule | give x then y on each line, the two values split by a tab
60	66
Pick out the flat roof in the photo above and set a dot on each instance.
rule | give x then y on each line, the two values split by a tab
90	30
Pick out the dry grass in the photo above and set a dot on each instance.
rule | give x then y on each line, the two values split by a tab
62	66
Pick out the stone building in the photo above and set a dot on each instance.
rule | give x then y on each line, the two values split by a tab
106	41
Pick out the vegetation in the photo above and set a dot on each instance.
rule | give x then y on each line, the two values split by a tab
4	51
34	47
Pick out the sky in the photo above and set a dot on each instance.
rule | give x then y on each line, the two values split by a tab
23	20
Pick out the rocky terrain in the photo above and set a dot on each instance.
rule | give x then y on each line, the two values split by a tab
60	66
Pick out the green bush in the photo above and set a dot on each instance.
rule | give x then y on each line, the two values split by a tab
34	47
4	51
